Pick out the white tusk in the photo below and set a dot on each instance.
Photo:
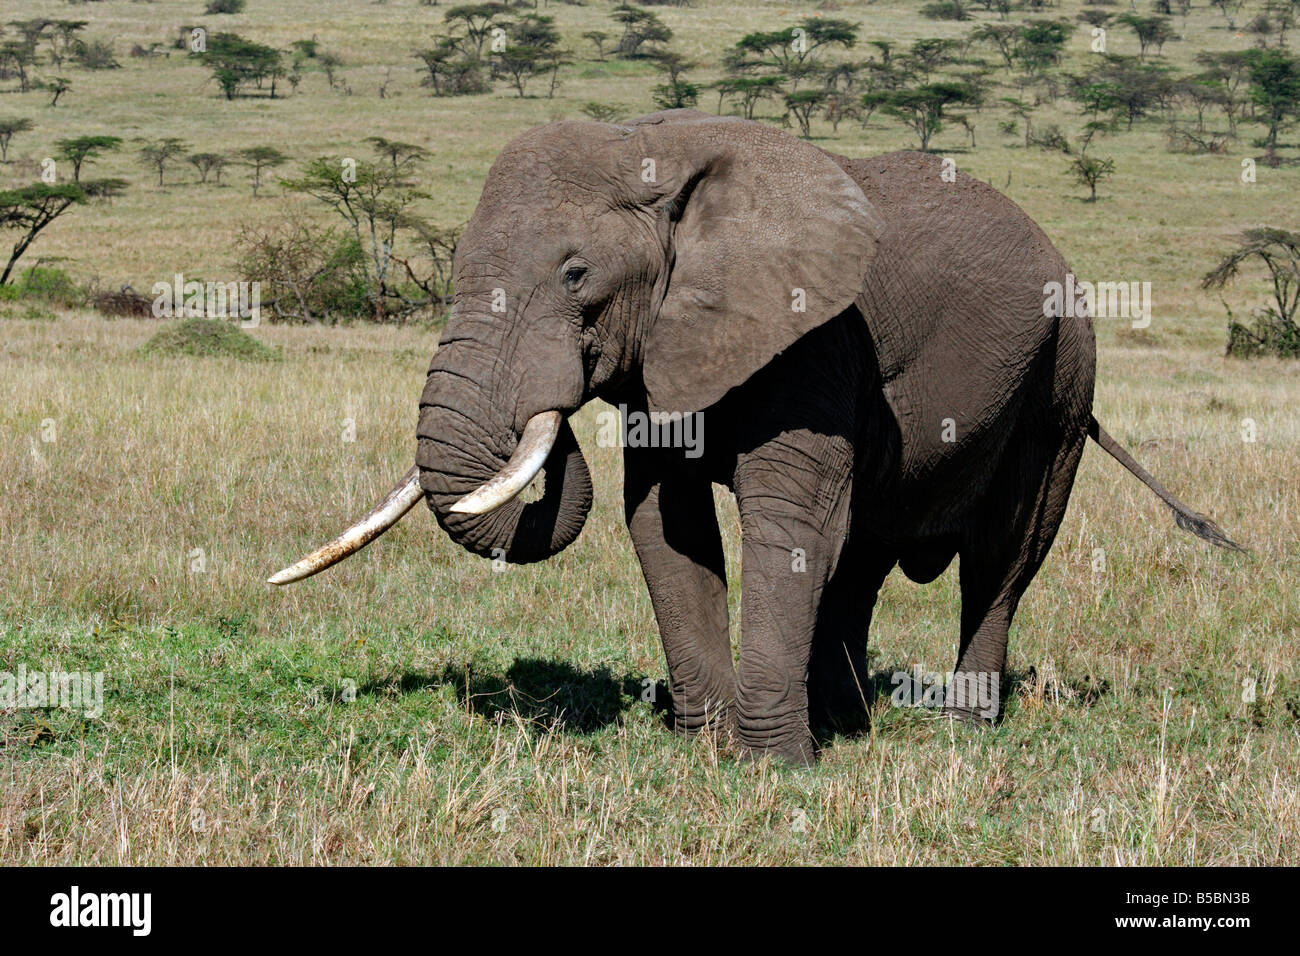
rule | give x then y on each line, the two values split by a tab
382	517
534	445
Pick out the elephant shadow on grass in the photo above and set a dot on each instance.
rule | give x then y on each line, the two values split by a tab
1079	692
552	695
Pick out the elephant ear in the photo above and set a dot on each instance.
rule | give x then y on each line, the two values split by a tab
767	239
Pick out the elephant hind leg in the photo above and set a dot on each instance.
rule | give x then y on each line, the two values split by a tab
1000	555
839	681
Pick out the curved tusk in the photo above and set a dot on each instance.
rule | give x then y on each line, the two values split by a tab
380	518
534	445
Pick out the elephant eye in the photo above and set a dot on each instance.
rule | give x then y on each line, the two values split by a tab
573	277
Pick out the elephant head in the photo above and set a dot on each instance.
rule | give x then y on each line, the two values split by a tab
674	255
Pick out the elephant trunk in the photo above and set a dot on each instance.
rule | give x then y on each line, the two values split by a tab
465	443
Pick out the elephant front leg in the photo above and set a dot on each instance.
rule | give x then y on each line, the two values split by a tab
674	529
793	494
784	568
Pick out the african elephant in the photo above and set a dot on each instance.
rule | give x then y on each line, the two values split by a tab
867	343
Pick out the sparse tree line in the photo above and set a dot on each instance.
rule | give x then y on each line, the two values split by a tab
384	261
805	77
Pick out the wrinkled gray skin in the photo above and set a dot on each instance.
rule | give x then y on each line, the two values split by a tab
920	406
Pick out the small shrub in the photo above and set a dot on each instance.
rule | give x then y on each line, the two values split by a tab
1269	334
95	55
602	112
1181	139
945	10
53	286
209	338
224	6
1051	137
306	274
124	304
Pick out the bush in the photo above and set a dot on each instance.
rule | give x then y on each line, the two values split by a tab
1051	138
224	6
945	10
95	55
209	337
125	304
306	274
1270	334
49	285
1182	139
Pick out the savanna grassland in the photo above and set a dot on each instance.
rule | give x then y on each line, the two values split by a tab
415	705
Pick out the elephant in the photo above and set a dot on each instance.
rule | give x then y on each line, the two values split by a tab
868	341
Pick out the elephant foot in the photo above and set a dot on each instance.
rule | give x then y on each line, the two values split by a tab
793	751
971	718
973	700
795	758
717	720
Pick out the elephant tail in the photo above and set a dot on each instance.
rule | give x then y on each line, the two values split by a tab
1187	519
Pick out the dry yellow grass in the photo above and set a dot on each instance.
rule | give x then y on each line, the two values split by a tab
228	735
412	705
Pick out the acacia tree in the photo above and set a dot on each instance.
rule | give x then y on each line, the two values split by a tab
449	71
1230	72
1150	31
160	153
63	38
8	127
1229	9
1041	43
206	164
792	52
260	158
598	38
404	157
81	149
602	112
19	56
1276	331
478	21
1275	90
1091	170
29	209
235	61
922	107
375	200
749	90
1003	37
803	105
677	93
532	50
58	86
639	28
